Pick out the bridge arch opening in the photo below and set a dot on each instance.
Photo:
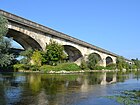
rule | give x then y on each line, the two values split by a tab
109	60
16	45
73	53
99	57
24	40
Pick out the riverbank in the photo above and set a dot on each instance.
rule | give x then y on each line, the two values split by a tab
67	72
64	71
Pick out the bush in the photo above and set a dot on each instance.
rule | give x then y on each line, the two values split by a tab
133	66
21	67
36	58
93	60
46	68
111	66
99	68
83	65
18	67
7	69
63	66
34	67
68	67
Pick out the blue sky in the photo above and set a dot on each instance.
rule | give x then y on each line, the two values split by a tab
110	24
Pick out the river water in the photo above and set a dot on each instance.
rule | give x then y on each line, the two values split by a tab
65	89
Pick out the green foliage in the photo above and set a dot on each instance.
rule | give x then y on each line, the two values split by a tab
136	63
3	26
25	67
36	58
19	66
5	56
120	63
99	67
55	53
34	67
111	66
26	56
63	66
47	68
133	66
127	66
44	57
68	67
83	65
93	60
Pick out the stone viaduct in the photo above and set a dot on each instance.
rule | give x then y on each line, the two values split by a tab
33	35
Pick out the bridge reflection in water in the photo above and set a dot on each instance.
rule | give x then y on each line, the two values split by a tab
51	89
108	80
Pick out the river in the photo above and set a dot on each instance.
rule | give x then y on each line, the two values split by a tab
65	89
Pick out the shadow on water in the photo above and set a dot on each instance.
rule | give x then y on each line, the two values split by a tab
60	89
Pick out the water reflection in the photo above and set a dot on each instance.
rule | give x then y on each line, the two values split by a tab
53	89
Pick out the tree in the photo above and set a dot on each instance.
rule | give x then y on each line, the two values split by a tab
54	53
120	62
3	26
44	57
93	60
136	63
26	56
5	56
83	64
36	58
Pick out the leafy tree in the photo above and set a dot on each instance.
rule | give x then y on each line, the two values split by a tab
54	53
83	64
3	26
5	56
136	63
120	62
36	58
26	56
44	57
93	60
127	66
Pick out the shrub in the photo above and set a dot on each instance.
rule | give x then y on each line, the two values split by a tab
36	58
93	60
99	68
83	65
63	66
18	67
34	67
21	67
55	53
111	66
68	67
46	68
133	66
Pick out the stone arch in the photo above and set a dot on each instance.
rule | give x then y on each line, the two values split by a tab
109	60
24	40
74	54
100	58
